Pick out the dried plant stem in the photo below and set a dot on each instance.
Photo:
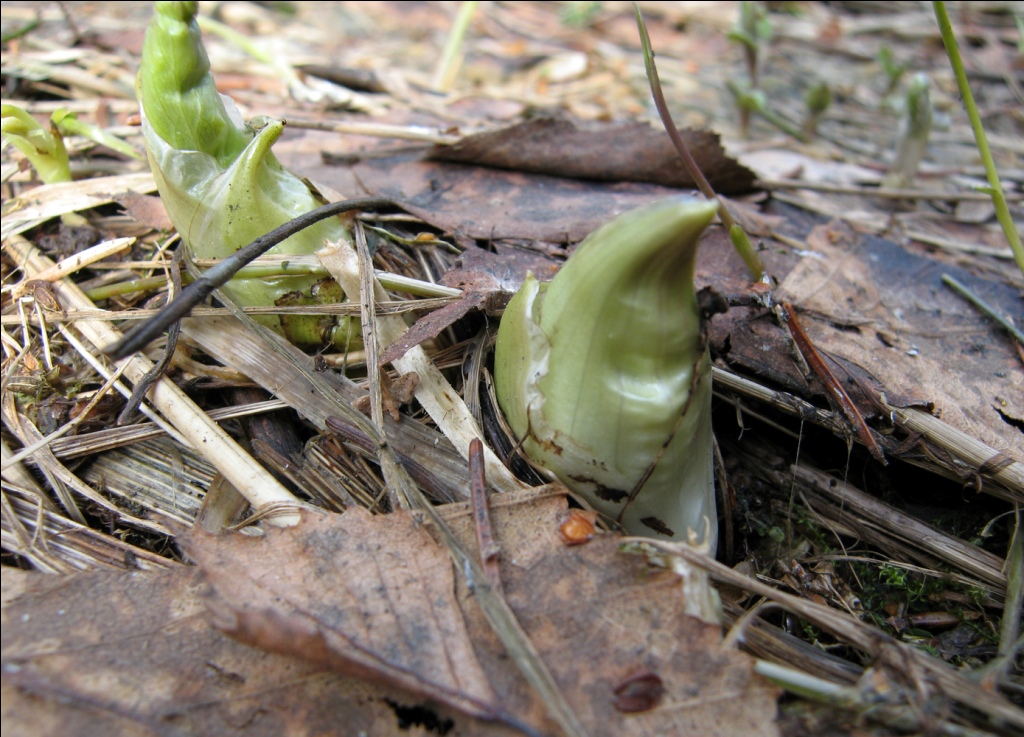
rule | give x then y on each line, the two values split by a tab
901	717
996	188
379	130
860	508
787	317
975	454
72	264
890	652
14	472
251	479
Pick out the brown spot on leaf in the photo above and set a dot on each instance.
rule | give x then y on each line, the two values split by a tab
611	495
639	692
658	526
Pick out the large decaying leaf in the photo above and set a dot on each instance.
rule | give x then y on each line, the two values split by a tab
134	654
372	597
379	592
103	654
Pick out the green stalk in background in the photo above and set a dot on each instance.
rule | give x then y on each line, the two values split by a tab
220	182
995	187
604	372
451	58
68	123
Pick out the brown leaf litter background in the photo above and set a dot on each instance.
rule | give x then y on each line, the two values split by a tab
361	624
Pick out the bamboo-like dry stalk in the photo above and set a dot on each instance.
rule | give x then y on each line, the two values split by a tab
251	479
976	456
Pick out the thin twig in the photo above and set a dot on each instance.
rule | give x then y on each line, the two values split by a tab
488	546
736	234
158	370
835	388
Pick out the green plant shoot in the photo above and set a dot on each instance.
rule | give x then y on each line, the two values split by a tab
605	377
43	148
220	182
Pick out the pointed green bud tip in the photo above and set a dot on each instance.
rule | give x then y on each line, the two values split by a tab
604	372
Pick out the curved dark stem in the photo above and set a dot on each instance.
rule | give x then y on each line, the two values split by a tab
135	339
153	375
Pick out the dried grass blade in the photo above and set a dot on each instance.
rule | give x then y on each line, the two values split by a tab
324	399
54	543
434	393
54	200
251	479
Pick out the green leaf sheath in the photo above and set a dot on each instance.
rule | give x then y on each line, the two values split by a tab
601	368
220	182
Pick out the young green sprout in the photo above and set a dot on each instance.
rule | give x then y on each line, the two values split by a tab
43	148
68	123
893	71
604	373
914	131
220	182
817	98
752	31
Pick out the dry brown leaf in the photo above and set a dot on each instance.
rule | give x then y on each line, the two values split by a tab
120	655
917	337
620	152
128	654
602	618
488	204
146	210
377	596
365	596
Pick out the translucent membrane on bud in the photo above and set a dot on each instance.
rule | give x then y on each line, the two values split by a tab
604	372
220	182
